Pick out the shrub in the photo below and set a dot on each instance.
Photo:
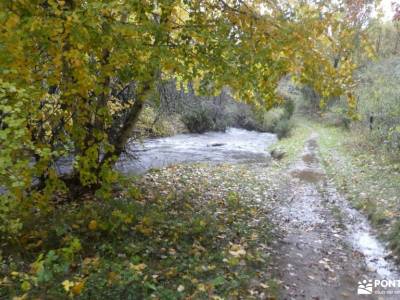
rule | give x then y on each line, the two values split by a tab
283	128
338	116
277	120
378	104
246	120
198	121
269	119
204	118
289	108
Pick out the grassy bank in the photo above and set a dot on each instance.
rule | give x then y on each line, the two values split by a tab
366	176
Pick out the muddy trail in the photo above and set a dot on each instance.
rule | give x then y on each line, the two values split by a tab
327	247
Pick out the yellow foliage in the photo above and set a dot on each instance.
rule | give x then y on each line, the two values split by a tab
138	268
92	225
78	287
237	250
67	285
113	278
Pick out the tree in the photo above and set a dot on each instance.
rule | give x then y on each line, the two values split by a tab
341	49
85	68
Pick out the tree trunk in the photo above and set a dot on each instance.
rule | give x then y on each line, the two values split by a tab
119	138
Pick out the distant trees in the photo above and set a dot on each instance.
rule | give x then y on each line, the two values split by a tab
386	38
385	35
379	107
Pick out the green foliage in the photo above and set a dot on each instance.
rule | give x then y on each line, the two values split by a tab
269	119
385	37
278	120
289	107
378	98
16	151
337	115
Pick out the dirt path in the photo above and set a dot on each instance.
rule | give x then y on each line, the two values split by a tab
327	246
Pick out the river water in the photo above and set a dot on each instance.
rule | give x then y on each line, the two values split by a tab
233	146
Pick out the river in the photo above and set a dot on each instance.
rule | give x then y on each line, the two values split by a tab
233	146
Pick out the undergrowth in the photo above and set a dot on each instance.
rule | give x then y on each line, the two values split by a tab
139	245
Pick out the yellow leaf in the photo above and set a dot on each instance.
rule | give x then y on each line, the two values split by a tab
26	286
67	285
237	250
139	267
23	297
92	225
12	21
112	277
78	287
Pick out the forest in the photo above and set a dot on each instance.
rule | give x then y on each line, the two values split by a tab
199	149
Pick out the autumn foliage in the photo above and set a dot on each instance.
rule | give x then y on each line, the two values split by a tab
66	64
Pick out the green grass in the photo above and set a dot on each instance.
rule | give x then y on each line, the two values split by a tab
294	143
367	177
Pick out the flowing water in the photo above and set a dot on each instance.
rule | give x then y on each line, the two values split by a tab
233	146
